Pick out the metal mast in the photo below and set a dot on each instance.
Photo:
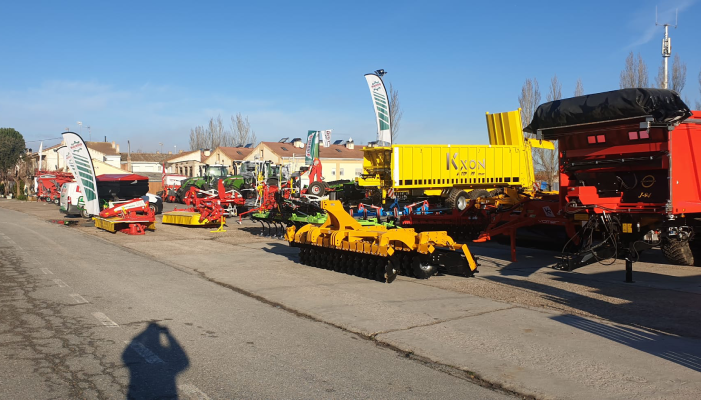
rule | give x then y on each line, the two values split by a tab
666	47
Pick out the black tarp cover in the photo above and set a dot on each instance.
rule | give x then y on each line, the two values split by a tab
661	104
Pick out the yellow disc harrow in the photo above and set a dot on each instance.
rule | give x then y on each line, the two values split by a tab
375	252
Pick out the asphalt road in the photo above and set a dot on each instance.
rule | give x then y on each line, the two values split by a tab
84	318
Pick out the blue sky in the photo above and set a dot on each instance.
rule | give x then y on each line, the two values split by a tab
149	71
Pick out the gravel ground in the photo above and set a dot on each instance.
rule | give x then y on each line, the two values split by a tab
664	298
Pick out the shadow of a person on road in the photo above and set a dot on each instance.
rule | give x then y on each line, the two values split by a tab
153	365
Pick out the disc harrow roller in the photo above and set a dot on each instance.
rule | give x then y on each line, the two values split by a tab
343	245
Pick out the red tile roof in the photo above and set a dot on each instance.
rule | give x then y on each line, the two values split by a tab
235	153
335	151
173	156
145	157
103	147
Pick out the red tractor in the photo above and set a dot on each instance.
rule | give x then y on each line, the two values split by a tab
630	174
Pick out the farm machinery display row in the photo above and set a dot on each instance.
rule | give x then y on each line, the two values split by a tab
619	193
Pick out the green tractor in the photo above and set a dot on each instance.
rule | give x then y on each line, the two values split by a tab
209	181
248	175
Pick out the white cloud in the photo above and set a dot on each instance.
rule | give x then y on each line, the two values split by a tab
643	24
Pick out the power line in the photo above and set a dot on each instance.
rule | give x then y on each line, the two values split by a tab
41	140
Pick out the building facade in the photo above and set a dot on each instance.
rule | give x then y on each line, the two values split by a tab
228	156
339	161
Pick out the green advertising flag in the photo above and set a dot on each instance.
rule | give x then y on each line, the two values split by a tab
312	150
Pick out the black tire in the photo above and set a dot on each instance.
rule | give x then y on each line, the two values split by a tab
457	199
180	193
153	208
677	251
56	201
477	193
317	189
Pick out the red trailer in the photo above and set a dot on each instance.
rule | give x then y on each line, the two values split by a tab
630	173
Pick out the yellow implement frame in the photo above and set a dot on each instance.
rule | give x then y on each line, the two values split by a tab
113	224
189	218
434	170
340	232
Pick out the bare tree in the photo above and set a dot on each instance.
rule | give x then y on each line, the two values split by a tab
529	100
241	131
211	137
678	74
546	160
628	76
659	79
555	92
395	112
642	73
677	80
579	89
198	138
634	74
217	135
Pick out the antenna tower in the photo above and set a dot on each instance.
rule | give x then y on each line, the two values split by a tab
666	46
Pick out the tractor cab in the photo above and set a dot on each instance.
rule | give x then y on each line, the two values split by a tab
216	171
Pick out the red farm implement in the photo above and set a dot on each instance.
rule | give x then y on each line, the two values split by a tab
206	207
49	185
132	217
629	175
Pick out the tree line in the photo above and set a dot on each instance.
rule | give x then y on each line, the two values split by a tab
215	134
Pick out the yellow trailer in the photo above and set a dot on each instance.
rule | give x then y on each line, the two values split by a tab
456	172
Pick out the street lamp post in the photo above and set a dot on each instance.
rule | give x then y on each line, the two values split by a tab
80	129
161	147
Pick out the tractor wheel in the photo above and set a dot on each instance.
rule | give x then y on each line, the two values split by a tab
181	193
457	199
317	189
677	251
56	201
477	193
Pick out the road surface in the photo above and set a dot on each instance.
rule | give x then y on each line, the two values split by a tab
84	318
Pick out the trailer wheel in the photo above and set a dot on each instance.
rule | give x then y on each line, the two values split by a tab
677	251
477	193
84	213
317	189
457	199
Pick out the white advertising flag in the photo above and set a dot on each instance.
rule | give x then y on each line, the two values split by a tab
327	137
80	163
381	105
